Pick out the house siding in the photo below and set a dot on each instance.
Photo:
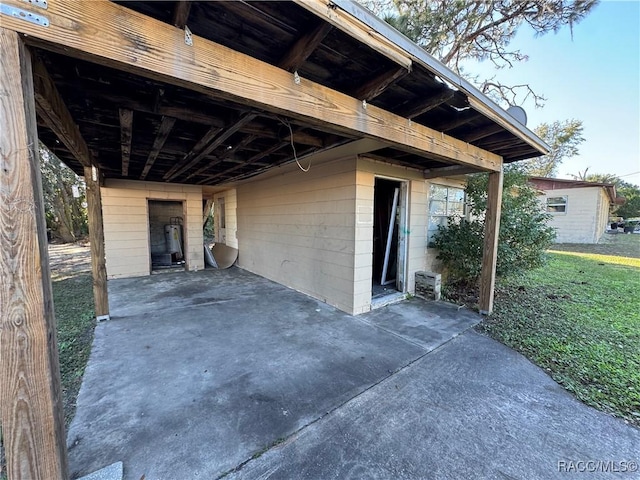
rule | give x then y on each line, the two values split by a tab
298	228
313	231
126	224
586	215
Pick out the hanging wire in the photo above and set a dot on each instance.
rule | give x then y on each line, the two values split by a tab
287	124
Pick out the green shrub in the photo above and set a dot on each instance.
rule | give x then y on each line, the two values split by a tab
524	234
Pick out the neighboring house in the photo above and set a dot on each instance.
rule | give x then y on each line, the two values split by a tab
580	210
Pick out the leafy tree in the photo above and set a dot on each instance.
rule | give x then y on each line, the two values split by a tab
564	138
65	212
523	238
630	192
458	30
631	206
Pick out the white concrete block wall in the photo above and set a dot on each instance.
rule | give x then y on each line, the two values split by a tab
298	229
582	221
126	224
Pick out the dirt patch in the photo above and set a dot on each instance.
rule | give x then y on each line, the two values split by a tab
67	259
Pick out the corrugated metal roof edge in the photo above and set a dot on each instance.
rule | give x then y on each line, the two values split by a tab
495	112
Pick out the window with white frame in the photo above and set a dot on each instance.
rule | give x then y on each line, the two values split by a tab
444	203
557	204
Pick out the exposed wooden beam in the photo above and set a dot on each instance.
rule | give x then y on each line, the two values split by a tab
95	31
30	395
358	30
55	114
377	85
126	136
163	133
236	148
191	161
449	171
482	132
197	148
96	241
490	248
181	13
415	109
304	46
257	157
461	118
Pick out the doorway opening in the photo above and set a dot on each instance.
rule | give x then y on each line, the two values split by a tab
389	224
166	236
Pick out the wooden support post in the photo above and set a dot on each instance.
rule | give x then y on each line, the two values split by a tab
30	396
490	250
96	239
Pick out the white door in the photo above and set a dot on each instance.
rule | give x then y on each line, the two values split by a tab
403	222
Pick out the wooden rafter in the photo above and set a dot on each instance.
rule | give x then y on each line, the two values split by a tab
377	85
197	148
191	113
93	31
449	171
357	29
415	109
461	119
126	136
181	13
304	47
256	158
191	161
55	114
483	132
161	137
221	158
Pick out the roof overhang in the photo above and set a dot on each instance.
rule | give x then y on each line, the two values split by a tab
249	86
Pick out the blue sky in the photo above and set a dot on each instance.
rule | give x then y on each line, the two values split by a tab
593	77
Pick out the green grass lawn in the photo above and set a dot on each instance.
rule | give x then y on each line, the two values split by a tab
73	301
579	319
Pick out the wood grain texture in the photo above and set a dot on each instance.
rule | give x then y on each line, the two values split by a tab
418	108
189	163
126	136
448	171
377	85
181	13
110	34
357	29
490	248
304	46
197	148
30	399
53	111
163	133
96	239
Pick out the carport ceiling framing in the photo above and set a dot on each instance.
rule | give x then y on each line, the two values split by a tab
153	107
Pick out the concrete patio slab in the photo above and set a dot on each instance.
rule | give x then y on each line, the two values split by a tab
197	372
226	374
471	409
